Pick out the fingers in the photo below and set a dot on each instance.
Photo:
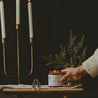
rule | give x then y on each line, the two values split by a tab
64	77
71	79
68	80
65	74
70	75
64	71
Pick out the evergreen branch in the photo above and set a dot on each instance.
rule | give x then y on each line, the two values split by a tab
71	55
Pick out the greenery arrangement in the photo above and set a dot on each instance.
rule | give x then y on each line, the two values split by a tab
70	56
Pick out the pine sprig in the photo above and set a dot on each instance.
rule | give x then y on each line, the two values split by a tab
70	56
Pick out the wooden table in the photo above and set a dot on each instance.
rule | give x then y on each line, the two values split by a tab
50	91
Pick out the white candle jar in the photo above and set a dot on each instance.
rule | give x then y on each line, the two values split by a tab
53	78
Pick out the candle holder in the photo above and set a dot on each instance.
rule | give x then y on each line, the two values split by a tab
3	43
4	58
18	57
31	42
18	63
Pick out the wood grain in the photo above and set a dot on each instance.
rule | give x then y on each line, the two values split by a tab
42	91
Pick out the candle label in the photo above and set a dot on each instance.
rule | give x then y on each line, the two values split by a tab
53	80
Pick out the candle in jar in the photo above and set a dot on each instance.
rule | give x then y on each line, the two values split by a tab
2	19
53	78
30	19
17	11
55	72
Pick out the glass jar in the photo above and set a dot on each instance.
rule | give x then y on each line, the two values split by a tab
53	78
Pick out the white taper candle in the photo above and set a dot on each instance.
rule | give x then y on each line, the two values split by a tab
17	11
30	19
2	20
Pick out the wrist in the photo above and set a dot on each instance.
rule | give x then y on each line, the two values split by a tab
82	70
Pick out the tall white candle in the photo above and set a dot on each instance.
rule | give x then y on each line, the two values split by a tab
30	19
17	11
2	20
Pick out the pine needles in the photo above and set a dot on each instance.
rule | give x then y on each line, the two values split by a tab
70	56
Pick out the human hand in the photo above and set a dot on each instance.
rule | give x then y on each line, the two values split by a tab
72	74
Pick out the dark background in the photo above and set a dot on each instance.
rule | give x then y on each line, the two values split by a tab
52	21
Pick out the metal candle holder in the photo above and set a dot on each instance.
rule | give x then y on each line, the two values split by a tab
18	63
4	64
18	59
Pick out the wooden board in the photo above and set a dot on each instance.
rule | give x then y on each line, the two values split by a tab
42	91
50	91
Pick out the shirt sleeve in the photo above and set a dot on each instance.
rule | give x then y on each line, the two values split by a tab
91	64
